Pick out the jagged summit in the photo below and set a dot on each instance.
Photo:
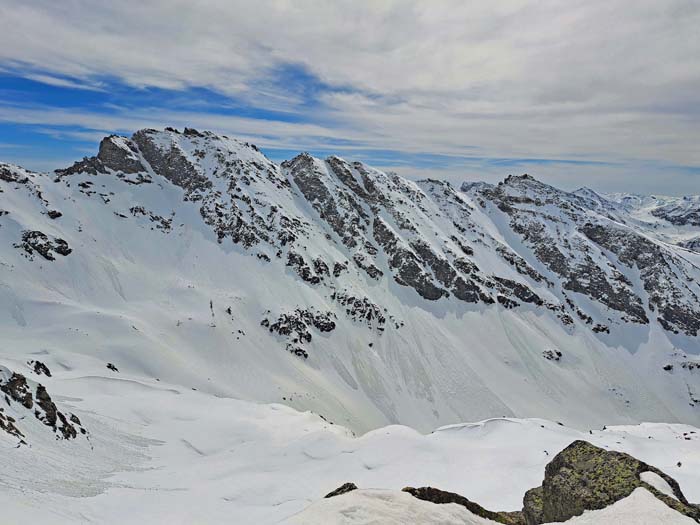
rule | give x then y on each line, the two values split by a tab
348	290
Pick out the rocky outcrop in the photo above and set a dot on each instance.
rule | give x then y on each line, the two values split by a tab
116	154
440	497
28	398
361	309
691	244
340	209
36	242
295	327
170	161
680	213
580	239
676	302
552	355
581	477
164	224
409	270
343	489
585	477
39	368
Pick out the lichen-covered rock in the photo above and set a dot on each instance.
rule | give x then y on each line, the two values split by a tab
585	477
581	477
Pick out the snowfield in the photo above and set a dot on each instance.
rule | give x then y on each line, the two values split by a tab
161	453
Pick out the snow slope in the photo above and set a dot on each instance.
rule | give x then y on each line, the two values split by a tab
162	453
333	287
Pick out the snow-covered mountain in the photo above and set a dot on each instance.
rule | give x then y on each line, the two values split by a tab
673	220
330	286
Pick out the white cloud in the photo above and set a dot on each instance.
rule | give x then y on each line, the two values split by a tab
62	82
613	80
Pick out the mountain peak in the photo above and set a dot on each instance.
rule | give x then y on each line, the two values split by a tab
327	277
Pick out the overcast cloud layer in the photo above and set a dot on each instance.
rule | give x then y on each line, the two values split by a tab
602	93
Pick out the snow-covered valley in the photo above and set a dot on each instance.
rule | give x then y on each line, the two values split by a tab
270	328
161	453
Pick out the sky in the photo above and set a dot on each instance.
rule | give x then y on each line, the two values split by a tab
598	93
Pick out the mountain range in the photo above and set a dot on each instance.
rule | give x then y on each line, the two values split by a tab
368	298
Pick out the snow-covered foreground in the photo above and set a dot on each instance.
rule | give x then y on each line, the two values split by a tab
159	453
397	508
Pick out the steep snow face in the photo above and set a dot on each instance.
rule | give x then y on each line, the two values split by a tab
332	286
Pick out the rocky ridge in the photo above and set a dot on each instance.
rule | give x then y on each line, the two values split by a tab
384	259
26	398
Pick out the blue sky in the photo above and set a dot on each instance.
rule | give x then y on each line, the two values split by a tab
604	94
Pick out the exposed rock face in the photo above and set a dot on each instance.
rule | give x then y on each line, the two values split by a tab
676	301
116	153
409	270
682	213
584	477
38	242
361	309
18	390
340	209
170	161
30	398
573	235
552	355
369	246
10	175
7	424
295	327
39	368
691	244
424	232
440	496
164	224
581	477
343	489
